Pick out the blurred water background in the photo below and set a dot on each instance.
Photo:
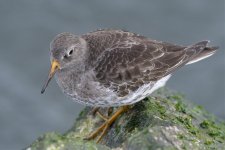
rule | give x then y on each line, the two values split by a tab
27	27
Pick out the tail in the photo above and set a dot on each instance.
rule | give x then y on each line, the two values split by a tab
204	51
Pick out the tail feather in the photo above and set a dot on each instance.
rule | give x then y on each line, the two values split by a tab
206	52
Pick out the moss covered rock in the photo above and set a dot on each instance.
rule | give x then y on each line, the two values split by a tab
164	121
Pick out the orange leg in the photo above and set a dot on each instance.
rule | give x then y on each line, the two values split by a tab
108	122
102	116
95	111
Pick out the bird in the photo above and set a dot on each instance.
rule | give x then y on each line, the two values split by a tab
116	68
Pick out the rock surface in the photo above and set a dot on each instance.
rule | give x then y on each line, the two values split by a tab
164	121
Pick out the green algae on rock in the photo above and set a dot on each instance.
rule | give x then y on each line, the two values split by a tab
164	121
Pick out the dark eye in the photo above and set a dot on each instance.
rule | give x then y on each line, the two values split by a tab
68	54
71	52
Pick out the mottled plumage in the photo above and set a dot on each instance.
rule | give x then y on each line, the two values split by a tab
114	67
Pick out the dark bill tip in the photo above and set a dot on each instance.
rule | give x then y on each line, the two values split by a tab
42	91
54	67
46	84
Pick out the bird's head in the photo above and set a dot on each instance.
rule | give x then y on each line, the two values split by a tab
66	50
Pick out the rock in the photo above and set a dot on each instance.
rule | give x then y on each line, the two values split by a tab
164	121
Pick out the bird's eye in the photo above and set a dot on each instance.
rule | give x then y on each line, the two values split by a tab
68	54
71	52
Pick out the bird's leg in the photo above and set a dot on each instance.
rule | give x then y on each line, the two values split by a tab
94	111
109	111
103	128
101	115
106	116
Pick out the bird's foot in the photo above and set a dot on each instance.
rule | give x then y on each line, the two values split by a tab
102	130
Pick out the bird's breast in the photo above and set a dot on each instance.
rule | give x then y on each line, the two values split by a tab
84	89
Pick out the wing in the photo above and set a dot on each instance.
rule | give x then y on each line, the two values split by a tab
125	61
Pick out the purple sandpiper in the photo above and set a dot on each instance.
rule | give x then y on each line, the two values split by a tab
108	68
